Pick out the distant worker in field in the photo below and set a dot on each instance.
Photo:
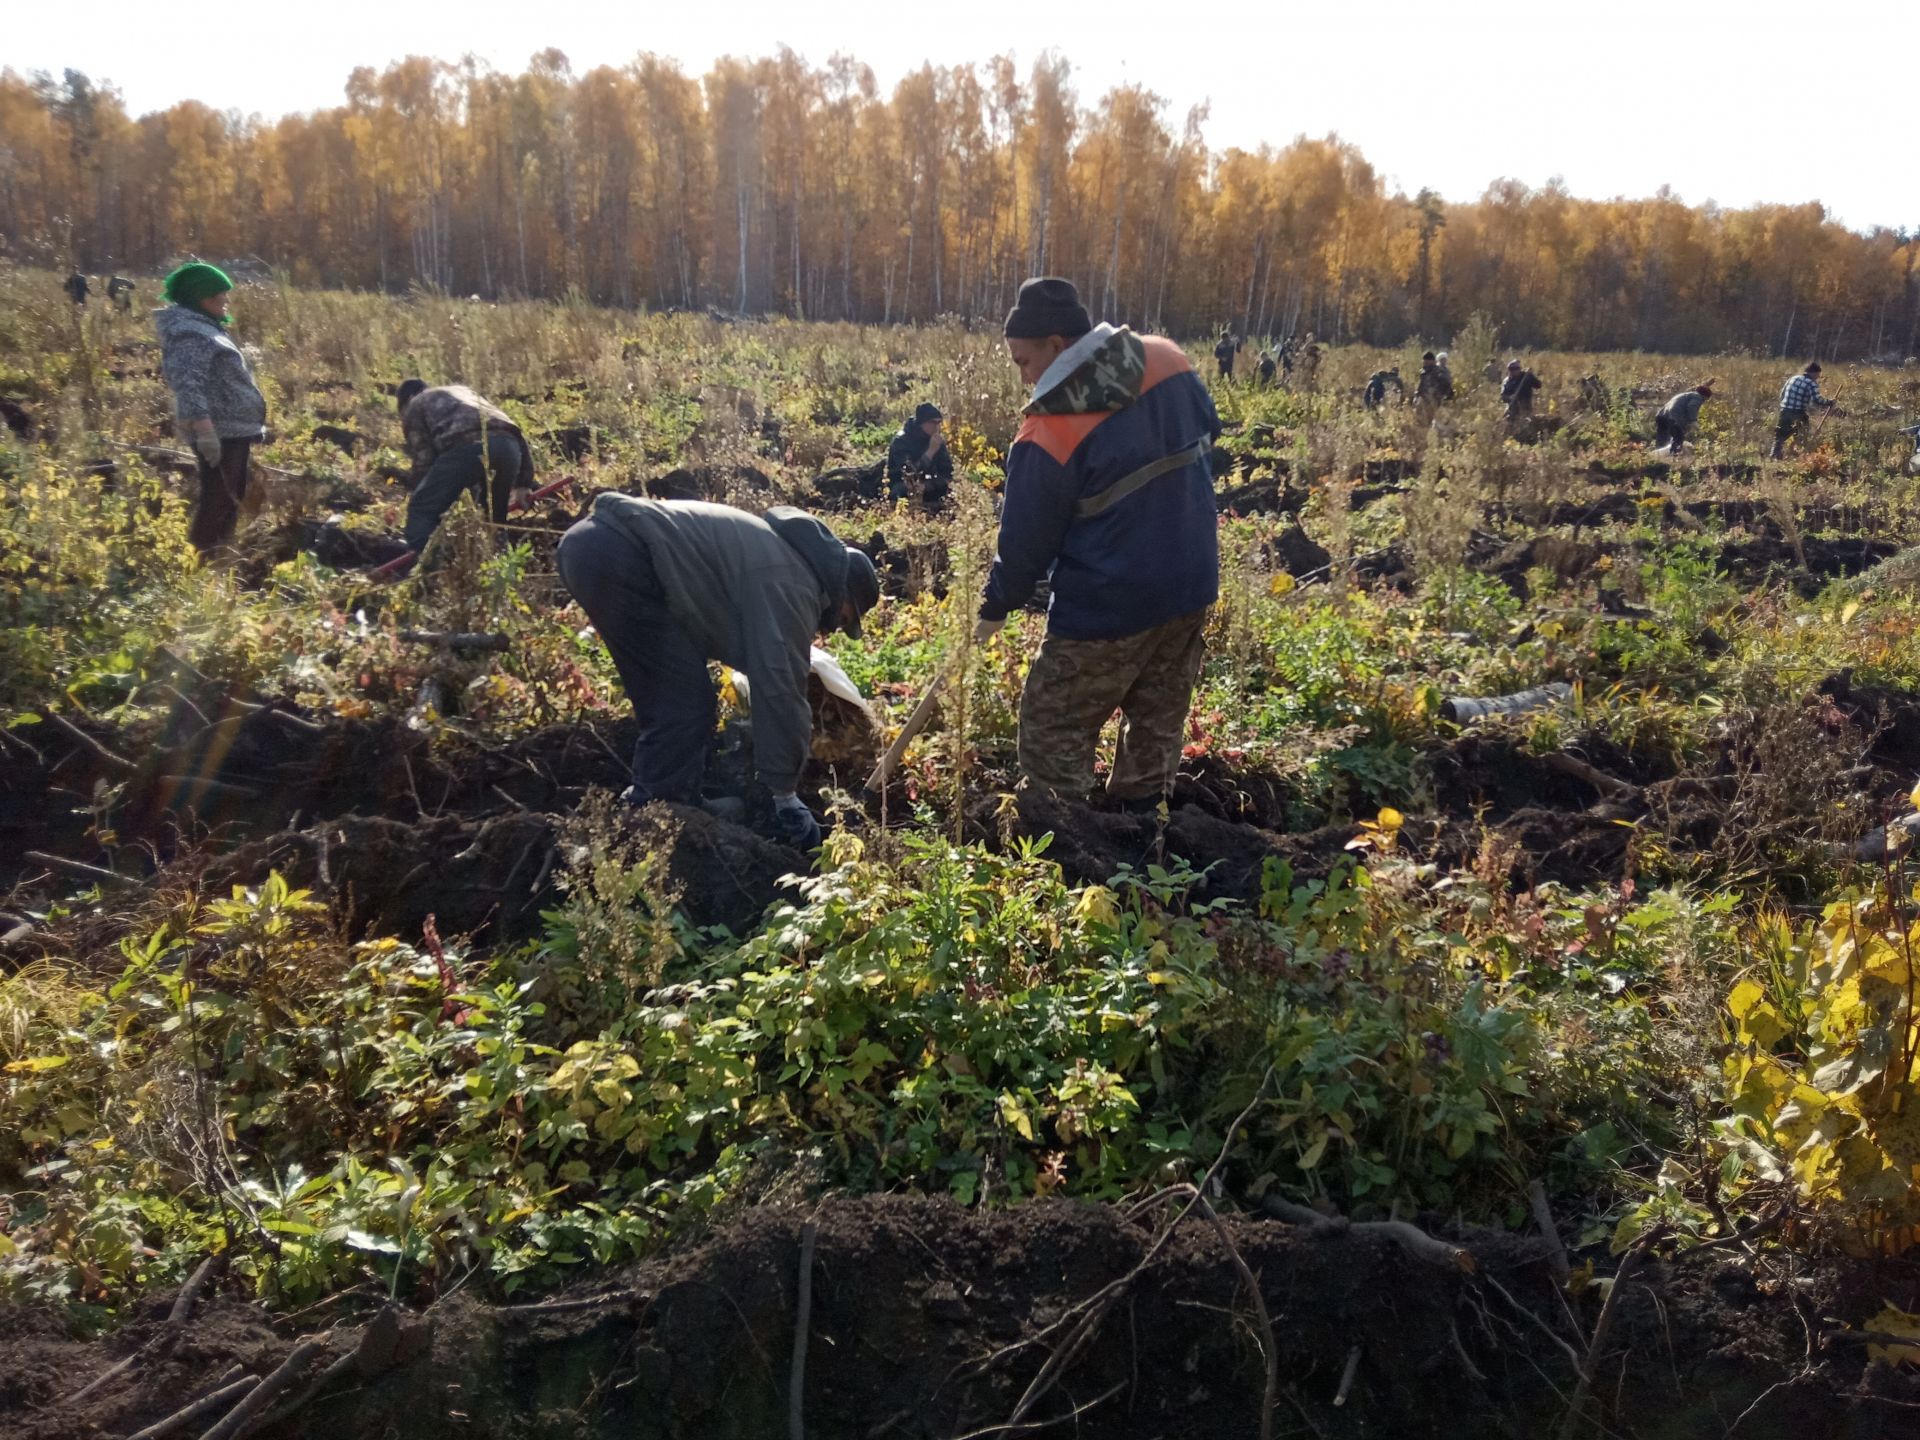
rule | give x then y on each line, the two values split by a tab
76	288
1310	357
120	292
919	457
1110	493
1518	391
1223	352
1435	386
1268	368
1799	398
1375	395
672	584
459	445
1680	417
217	406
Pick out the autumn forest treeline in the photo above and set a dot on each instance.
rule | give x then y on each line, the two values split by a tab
774	185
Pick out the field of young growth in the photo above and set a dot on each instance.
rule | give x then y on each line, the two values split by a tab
1543	1073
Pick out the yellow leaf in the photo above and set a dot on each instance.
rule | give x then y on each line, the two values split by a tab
1913	796
1891	1321
1390	819
1096	906
1852	609
1745	996
1013	1113
1315	1151
34	1064
1281	584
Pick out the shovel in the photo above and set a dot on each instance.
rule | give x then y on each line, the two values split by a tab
916	722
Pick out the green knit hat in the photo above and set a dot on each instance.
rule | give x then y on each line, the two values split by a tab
194	282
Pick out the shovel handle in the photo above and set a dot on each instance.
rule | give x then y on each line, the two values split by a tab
396	565
916	722
542	493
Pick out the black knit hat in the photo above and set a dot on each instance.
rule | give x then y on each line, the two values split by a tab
863	588
926	412
408	389
1048	306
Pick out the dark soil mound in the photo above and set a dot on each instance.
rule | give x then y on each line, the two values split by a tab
707	482
928	1320
1091	845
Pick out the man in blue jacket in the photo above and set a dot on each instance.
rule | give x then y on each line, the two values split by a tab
1108	492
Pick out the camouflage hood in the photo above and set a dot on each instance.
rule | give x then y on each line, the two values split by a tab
1101	371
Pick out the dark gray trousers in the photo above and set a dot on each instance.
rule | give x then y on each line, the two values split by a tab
663	672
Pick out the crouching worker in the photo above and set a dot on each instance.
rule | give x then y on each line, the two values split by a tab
1109	492
672	584
919	454
459	444
1680	417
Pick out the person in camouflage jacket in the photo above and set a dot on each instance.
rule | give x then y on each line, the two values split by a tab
1109	495
459	444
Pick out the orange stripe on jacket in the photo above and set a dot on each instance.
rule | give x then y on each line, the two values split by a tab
1061	435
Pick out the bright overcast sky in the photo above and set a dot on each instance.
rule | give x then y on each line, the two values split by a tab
1735	101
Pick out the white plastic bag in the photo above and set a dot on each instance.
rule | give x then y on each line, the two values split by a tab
831	676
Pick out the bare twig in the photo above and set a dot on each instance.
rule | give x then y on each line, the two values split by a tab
1578	769
1085	1318
1466	1360
1048	1424
1346	1377
588	1302
341	1366
161	1345
104	1378
210	787
1544	1328
239	1419
1604	1324
107	757
188	1298
78	868
217	1400
797	1371
1543	1222
1411	1238
1269	1352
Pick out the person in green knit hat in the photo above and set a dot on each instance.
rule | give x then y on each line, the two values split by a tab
217	405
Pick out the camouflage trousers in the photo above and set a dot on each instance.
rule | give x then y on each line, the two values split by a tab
1075	686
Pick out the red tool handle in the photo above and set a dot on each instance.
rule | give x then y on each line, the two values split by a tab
542	493
397	565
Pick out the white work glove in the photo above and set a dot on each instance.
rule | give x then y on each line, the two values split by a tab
793	823
206	444
984	630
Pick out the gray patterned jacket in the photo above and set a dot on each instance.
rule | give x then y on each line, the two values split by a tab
208	374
